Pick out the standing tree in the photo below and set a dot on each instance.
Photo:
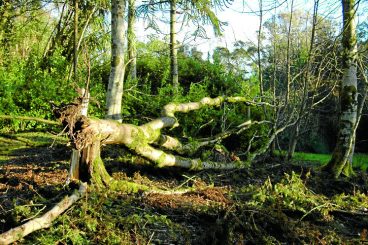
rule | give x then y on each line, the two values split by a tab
288	65
132	50
306	80
341	157
196	11
173	51
75	40
116	80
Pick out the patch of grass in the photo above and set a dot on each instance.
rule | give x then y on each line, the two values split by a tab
360	160
319	159
22	140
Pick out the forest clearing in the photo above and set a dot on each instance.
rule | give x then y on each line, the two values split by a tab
293	204
116	127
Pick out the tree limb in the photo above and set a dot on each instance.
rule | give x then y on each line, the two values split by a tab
45	220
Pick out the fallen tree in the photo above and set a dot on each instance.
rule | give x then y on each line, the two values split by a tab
88	135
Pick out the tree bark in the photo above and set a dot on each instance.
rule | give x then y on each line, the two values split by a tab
132	50
173	50
340	162
116	79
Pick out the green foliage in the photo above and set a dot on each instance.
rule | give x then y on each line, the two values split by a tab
360	160
291	193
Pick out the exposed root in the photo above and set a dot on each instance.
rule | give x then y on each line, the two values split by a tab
68	114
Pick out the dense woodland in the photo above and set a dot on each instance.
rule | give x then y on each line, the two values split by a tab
115	134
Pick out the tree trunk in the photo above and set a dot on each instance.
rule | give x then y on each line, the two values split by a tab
259	42
116	79
75	158
132	50
273	86
288	65
293	141
303	106
173	50
340	162
75	41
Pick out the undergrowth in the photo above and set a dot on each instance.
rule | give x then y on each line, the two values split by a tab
287	210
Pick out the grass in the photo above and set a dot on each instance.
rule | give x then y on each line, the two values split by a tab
360	160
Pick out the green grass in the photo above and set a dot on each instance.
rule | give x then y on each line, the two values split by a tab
360	160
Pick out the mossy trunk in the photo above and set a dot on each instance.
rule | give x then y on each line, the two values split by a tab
92	169
341	157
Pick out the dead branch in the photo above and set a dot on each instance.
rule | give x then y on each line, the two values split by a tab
45	220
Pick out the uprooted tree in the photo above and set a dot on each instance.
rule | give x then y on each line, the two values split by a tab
88	135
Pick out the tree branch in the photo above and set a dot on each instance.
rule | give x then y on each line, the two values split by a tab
45	220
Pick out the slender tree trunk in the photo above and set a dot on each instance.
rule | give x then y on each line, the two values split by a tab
260	78
81	36
340	162
75	40
132	50
293	140
303	106
288	65
273	88
116	79
173	50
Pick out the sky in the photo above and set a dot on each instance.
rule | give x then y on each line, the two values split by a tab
242	18
242	22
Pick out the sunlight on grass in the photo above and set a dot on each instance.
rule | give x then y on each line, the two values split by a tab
359	160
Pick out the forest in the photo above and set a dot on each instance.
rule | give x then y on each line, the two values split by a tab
163	122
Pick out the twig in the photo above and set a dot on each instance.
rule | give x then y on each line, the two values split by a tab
149	241
39	211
